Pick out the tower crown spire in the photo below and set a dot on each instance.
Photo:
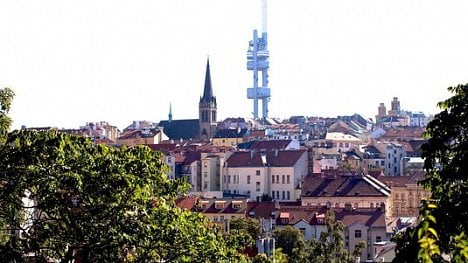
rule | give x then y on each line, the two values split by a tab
208	90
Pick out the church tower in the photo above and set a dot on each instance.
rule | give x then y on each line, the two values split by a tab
207	108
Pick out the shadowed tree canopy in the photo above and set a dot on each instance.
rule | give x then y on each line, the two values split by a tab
443	224
64	198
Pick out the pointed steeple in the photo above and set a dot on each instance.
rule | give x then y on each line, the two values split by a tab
170	112
208	90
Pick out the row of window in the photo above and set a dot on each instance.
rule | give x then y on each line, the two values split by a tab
358	234
285	195
283	177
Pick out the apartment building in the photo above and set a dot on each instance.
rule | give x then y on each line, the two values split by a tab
274	174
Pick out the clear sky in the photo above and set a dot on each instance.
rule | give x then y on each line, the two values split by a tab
72	62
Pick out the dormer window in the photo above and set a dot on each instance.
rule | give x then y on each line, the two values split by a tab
204	204
284	218
220	204
236	204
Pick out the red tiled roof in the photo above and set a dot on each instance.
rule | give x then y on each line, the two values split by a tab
187	202
190	157
165	147
261	209
367	216
270	145
254	159
395	181
338	186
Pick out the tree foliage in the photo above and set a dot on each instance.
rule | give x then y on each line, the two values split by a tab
64	198
291	242
6	98
330	246
443	223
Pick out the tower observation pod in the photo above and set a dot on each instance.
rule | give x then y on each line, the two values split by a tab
258	62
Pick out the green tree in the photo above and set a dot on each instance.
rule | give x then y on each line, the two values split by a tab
292	243
6	98
67	198
443	225
330	246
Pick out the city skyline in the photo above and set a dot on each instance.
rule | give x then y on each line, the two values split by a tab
75	62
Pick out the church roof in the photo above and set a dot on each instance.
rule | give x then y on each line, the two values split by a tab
181	129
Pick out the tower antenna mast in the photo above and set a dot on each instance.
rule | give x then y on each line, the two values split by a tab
258	62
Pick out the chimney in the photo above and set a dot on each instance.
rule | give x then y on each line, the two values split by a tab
382	207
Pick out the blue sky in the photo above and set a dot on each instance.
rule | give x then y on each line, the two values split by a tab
72	62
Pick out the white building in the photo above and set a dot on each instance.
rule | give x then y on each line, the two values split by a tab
394	154
276	174
343	142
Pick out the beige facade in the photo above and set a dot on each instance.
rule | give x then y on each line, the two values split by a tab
137	138
343	142
406	194
359	232
407	200
226	142
212	170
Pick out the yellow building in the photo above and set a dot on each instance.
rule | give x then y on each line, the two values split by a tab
406	194
229	137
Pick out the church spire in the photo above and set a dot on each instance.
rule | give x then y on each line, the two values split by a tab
208	90
170	112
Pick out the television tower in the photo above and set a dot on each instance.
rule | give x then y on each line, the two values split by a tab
258	61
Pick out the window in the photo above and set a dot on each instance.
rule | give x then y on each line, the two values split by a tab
337	205
277	194
282	179
215	218
378	239
236	205
229	179
303	230
371	205
205	174
224	178
357	233
284	196
277	178
288	196
347	144
219	205
257	172
273	194
272	179
288	179
248	179
258	186
205	186
221	218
